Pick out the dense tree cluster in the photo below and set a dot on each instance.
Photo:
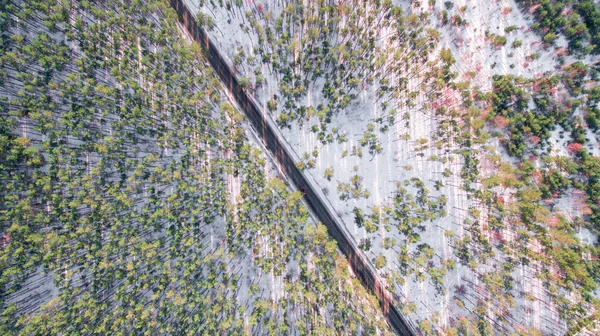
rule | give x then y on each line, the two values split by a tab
543	242
118	212
530	109
578	20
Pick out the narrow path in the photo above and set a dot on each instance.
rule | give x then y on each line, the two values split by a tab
362	269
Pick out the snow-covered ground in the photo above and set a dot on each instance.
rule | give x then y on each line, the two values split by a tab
477	60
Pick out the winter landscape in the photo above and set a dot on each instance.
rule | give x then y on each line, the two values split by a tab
454	143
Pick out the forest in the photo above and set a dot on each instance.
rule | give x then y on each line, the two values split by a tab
461	156
135	202
480	197
578	20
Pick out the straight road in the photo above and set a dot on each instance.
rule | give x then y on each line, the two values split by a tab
362	268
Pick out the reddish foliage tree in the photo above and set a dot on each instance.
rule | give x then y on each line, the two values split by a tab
534	139
498	236
485	112
574	147
553	221
501	122
586	210
4	240
537	175
533	8
560	52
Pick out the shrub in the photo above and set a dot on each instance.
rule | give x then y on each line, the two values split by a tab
517	43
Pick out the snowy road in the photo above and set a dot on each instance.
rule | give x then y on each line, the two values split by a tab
362	268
